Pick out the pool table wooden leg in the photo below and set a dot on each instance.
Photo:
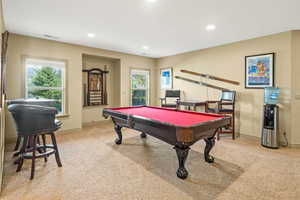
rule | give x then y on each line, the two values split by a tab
182	154
143	135
119	133
210	142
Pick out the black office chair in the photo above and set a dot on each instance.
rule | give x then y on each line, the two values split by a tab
32	121
173	95
225	106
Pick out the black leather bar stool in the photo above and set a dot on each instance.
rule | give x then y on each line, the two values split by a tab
30	101
31	122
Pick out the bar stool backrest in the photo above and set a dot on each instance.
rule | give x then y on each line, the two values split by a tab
172	94
33	119
228	96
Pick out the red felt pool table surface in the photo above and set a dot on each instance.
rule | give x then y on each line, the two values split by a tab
175	117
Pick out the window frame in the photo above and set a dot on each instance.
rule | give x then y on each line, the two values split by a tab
149	85
64	88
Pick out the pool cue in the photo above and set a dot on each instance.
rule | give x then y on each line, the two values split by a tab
210	77
201	83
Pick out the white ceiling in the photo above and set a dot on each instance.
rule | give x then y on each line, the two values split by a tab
167	27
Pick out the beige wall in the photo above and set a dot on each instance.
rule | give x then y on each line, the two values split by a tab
227	61
91	113
117	84
296	87
22	45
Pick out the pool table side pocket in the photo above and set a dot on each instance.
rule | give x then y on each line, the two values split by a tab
121	119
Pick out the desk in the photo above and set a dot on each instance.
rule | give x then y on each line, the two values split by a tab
192	103
178	128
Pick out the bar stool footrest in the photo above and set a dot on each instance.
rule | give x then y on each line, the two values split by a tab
28	155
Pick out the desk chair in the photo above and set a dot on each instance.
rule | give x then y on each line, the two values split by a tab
225	106
170	99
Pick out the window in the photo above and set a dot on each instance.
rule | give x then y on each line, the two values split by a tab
46	79
166	78
139	87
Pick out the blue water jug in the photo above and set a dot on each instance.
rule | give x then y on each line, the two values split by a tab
271	95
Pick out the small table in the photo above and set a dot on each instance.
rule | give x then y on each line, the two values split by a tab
178	128
192	103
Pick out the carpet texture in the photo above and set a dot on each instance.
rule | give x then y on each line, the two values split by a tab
94	167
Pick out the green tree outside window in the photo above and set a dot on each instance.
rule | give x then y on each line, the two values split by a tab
45	82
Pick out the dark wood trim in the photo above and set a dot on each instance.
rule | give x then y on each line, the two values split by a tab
95	69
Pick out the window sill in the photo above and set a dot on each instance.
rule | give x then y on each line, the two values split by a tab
62	116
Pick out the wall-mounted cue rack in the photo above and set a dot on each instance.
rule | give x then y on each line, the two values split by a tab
210	77
95	92
201	83
206	76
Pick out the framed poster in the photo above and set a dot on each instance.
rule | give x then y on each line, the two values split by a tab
259	71
166	78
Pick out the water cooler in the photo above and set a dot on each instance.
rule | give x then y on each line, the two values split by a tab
270	129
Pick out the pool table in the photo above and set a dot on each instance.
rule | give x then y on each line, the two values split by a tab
175	127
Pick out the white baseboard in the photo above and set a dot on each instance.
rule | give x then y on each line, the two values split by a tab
294	145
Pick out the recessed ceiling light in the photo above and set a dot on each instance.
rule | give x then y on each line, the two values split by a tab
210	27
91	35
145	47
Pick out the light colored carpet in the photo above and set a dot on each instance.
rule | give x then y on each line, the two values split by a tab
141	169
